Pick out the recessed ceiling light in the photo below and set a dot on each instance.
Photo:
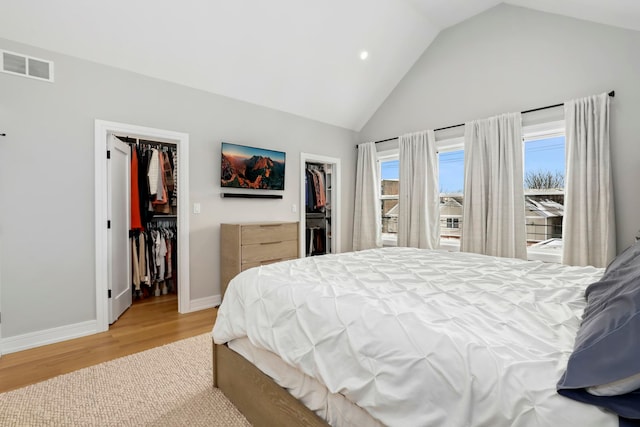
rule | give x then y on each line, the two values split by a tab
364	55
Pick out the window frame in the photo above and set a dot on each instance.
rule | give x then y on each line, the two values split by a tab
453	223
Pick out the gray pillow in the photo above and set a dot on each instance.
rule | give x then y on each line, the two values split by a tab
607	346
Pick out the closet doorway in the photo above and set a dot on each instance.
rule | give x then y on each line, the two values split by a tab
319	204
107	198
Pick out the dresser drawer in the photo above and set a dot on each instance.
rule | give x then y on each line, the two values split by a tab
266	233
259	263
257	253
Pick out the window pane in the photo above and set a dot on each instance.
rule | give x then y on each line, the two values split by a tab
544	172
451	169
390	169
389	172
544	158
451	179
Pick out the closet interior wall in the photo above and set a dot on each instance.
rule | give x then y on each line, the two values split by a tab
318	236
154	206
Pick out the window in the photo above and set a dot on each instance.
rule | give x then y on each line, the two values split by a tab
544	169
544	172
389	177
451	181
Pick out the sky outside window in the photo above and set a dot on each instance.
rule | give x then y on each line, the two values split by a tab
539	155
390	169
544	155
451	171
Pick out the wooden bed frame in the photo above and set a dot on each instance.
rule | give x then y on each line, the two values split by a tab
256	395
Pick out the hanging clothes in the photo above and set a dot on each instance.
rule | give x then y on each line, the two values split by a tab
168	173
153	173
317	218
153	234
143	185
321	200
160	247
161	190
174	157
315	197
142	259
136	221
161	204
309	192
135	264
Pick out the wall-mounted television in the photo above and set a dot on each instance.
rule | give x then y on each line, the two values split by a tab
250	167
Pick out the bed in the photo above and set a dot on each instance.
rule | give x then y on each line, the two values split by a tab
404	337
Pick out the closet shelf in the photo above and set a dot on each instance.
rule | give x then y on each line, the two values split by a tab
160	216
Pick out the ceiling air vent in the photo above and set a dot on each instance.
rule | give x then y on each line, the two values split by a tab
26	66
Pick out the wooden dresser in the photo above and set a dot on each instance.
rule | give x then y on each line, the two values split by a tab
247	245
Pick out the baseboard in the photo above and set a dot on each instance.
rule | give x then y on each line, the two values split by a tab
203	303
77	330
47	336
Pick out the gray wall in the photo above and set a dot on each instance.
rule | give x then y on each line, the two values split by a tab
47	178
513	59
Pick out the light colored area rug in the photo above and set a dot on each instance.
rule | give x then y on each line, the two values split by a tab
165	386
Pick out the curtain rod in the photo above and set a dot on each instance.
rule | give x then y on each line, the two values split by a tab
611	94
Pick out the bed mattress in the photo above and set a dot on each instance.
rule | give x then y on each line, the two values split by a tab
331	407
420	337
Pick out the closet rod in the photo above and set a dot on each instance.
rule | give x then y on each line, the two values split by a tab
165	144
611	94
130	139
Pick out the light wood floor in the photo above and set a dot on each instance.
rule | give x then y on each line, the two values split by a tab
146	324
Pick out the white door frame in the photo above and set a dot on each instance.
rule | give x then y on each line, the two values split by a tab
102	131
335	201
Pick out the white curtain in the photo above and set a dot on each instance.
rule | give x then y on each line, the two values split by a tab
493	220
589	218
419	198
367	216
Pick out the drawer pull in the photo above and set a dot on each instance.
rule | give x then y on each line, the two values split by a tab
270	243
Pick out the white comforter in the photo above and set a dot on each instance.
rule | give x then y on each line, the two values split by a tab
422	338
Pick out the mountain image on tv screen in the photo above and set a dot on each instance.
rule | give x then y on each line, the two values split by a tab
250	167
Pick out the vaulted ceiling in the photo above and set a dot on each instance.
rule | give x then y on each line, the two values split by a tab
296	56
